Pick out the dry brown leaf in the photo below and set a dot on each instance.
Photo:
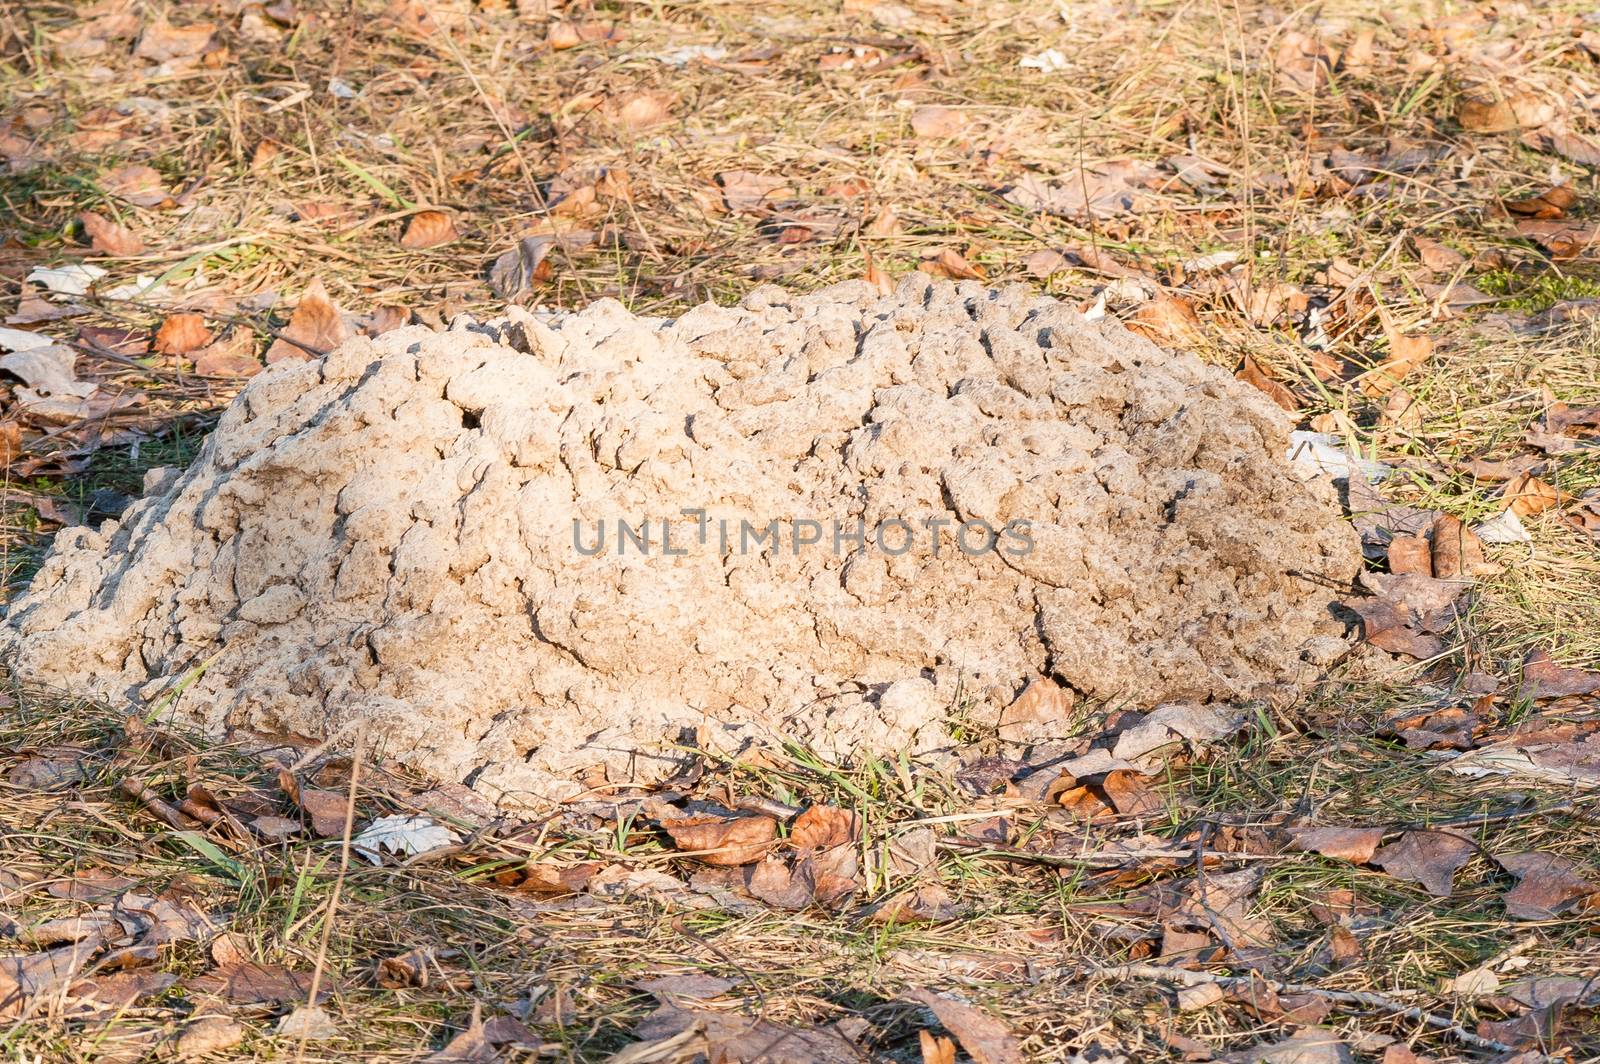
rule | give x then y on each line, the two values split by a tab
1430	858
231	356
952	264
563	35
162	41
325	808
257	984
1253	374
181	334
1045	264
746	191
1406	353
986	1039
1553	202
723	840
929	903
1527	495
885	223
1411	554
1547	885
641	110
316	324
209	1034
110	238
141	186
823	827
1356	845
1543	678
1043	710
936	1050
938	123
1457	551
1567	239
428	229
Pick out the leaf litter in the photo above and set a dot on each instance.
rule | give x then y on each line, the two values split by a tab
1536	728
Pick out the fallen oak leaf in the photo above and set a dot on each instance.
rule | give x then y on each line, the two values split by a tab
1546	885
1356	845
1543	678
745	191
182	333
315	328
1553	202
428	229
108	237
986	1039
161	40
952	264
139	185
717	840
1406	353
326	809
1457	551
1430	858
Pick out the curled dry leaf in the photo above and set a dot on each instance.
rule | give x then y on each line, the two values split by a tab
1406	353
1527	495
723	840
1457	551
1543	678
162	41
315	328
1430	858
428	229
141	186
746	191
938	123
545	878
1356	845
986	1039
952	264
641	110
181	334
1547	885
1042	711
563	35
1252	373
108	237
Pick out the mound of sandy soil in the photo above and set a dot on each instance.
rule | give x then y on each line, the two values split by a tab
849	518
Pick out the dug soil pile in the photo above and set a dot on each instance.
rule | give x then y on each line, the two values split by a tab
900	509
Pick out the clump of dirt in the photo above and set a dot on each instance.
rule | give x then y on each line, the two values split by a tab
849	518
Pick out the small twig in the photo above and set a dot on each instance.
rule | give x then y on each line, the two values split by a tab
976	848
1186	977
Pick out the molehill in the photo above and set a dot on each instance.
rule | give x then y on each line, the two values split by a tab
971	488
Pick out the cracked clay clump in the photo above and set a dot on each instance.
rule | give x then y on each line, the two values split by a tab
883	511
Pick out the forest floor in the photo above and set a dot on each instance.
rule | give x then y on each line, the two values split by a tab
1382	214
